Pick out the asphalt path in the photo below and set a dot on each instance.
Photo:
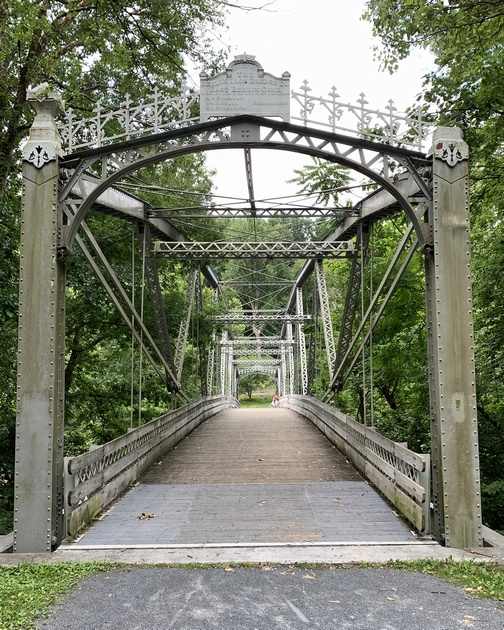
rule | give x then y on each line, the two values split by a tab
270	598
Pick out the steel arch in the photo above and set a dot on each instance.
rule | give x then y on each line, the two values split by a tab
210	136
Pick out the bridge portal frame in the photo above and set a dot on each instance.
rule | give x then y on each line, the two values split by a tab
50	221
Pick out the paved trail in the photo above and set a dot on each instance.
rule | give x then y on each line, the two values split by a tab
280	598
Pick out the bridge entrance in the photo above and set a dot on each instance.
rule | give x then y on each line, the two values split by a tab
250	476
429	190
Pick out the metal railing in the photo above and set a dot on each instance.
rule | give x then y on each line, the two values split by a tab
159	112
401	475
93	480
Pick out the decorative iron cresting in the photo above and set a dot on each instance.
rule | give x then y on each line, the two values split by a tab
159	113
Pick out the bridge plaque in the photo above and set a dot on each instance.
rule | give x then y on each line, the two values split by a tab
244	88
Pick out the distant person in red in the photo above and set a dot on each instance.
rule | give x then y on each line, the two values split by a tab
276	400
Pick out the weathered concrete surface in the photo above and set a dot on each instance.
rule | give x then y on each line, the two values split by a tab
285	554
268	598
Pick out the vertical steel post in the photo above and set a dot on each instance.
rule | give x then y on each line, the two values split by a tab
211	365
283	368
290	357
185	323
223	362
230	373
38	502
456	483
325	313
302	342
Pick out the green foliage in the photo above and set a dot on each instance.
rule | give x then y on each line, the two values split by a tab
324	178
258	401
28	590
9	265
493	504
467	40
254	293
254	382
96	50
399	356
91	52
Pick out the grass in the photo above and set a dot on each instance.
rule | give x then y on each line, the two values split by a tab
257	400
27	591
480	579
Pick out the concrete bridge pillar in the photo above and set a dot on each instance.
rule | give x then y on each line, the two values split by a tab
455	457
39	504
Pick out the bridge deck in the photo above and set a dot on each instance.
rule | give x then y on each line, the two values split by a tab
250	476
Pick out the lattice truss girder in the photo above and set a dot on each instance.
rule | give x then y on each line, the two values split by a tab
258	369
261	342
252	362
251	352
218	250
302	343
374	311
249	319
297	211
186	321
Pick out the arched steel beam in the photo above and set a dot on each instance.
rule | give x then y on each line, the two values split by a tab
161	153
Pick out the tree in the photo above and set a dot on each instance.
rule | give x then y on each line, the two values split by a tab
467	40
251	382
93	51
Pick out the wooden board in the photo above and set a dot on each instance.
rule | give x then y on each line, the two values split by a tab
244	476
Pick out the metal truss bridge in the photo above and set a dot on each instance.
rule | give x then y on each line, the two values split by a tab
256	298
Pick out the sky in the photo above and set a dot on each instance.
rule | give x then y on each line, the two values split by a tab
324	42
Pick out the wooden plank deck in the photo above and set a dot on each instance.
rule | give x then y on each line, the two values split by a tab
250	476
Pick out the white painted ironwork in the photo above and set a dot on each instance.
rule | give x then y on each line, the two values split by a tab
199	250
231	374
258	369
155	114
211	364
260	342
283	368
249	319
252	352
158	113
325	313
223	362
387	125
248	362
302	343
290	356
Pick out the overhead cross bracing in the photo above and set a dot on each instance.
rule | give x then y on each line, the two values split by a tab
275	249
215	211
